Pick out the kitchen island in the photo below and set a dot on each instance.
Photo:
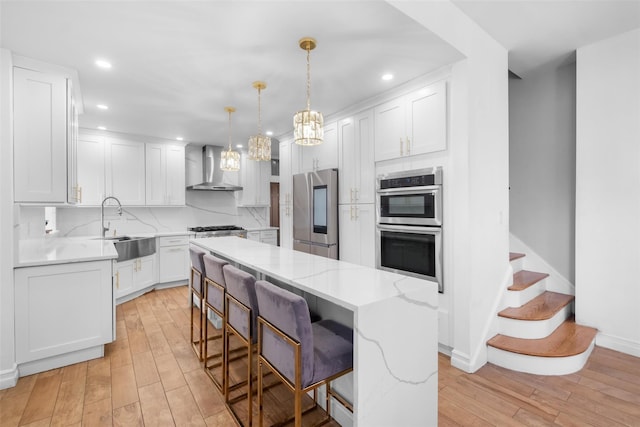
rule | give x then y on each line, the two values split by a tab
395	322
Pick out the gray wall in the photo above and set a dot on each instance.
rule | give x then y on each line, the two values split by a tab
542	163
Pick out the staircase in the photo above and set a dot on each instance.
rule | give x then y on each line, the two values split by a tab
536	331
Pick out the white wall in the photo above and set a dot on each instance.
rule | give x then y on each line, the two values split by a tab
542	164
478	149
608	190
8	367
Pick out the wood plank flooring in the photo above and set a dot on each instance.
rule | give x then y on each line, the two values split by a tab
149	376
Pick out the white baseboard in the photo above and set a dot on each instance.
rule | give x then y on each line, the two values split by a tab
622	345
461	361
9	377
66	359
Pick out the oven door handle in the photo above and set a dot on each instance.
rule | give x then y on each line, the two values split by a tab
410	190
409	229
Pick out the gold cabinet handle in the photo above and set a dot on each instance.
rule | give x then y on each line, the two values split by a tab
408	146
401	152
356	215
356	193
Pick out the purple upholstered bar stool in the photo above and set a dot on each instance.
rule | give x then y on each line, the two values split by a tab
241	317
196	288
215	289
303	355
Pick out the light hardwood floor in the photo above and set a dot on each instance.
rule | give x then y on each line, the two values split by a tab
150	376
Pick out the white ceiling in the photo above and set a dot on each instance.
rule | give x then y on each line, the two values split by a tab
537	32
177	64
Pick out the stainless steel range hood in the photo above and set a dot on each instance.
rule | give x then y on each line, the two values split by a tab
212	176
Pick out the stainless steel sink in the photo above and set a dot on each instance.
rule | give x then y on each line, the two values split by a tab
130	247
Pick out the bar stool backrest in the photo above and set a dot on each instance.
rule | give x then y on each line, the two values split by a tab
197	263
241	286
290	314
213	271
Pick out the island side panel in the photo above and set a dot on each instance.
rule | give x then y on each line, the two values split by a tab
396	362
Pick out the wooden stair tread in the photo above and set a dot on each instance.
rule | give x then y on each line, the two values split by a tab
542	307
515	255
568	339
524	278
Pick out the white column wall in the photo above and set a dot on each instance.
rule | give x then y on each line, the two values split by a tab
478	147
8	368
608	190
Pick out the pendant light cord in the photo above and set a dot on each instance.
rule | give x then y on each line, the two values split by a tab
308	79
259	114
229	130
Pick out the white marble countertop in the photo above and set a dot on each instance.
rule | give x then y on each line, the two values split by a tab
62	250
345	284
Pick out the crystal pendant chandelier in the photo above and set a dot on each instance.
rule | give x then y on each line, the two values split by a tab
259	145
230	160
307	124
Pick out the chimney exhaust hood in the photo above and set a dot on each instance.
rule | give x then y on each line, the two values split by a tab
211	173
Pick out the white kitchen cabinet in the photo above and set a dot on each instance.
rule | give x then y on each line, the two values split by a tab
40	137
323	156
287	148
265	236
357	234
254	178
165	175
174	262
91	183
356	170
125	171
135	274
412	124
74	192
62	308
286	226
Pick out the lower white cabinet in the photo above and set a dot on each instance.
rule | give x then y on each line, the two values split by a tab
135	274
62	308
357	234
265	236
174	262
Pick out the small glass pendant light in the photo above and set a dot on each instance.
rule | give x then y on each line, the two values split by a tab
229	159
259	145
308	124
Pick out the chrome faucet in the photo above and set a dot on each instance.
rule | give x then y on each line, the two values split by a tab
105	229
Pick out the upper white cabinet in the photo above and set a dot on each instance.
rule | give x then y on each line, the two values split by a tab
357	167
91	183
412	124
323	156
74	192
165	175
42	131
125	171
254	178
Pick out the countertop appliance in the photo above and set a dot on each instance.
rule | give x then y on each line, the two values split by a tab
315	213
218	231
212	175
409	223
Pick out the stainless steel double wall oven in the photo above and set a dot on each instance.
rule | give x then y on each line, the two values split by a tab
409	223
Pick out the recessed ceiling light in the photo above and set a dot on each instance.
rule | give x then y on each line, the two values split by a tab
103	64
387	77
239	146
102	106
179	138
269	133
102	128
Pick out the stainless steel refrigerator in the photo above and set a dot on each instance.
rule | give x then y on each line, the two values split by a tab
315	213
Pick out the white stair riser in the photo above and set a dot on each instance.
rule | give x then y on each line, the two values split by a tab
517	264
539	365
533	329
520	298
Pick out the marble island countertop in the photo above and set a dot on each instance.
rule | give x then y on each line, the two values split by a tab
62	250
345	284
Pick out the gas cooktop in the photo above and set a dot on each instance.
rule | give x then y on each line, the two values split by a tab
215	228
